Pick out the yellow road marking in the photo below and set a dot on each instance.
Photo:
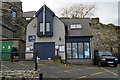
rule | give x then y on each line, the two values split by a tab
109	71
5	67
67	70
58	78
41	64
19	63
92	68
71	70
97	73
22	64
82	77
79	77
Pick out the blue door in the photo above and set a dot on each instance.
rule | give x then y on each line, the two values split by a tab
45	50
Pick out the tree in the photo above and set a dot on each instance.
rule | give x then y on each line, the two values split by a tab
78	11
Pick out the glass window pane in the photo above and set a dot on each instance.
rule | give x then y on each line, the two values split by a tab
41	27
72	26
86	50
68	50
74	50
79	26
13	14
80	50
47	27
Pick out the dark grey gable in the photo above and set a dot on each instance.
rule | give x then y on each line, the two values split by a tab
48	19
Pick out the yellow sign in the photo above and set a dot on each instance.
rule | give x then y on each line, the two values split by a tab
3	47
8	47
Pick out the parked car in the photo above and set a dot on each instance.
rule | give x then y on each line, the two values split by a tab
118	58
103	58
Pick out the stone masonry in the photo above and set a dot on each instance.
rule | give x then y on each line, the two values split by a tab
118	32
13	23
105	37
20	74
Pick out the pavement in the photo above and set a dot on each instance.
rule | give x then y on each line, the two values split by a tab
59	71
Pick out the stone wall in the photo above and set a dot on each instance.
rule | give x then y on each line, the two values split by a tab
6	33
118	32
14	23
21	74
105	37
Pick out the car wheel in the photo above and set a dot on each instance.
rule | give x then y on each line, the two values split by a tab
99	64
115	65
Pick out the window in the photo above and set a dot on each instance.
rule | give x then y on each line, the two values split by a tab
74	50
79	26
72	26
47	27
41	27
69	50
14	14
76	26
78	50
86	50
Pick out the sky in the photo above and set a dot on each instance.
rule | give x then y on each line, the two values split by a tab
106	10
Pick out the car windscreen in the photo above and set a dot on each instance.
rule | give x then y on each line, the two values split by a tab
104	53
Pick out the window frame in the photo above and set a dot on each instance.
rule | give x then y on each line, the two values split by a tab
14	14
46	24
41	28
83	46
76	26
47	27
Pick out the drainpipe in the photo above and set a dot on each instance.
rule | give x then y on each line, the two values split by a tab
44	19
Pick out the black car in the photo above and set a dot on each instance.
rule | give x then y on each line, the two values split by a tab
104	57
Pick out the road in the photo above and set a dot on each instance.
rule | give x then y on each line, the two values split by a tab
59	71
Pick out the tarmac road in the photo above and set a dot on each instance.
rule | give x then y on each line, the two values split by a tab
53	70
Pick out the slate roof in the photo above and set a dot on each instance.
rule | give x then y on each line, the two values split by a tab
10	0
45	8
85	31
29	14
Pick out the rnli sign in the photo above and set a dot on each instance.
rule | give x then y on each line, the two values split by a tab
32	38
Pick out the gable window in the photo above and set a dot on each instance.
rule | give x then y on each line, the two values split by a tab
47	27
13	14
75	26
41	27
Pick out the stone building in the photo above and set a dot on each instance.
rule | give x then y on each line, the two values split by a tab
118	32
12	26
12	20
105	37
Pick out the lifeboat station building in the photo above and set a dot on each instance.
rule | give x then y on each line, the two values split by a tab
52	36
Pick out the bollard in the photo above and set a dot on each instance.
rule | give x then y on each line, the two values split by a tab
40	76
23	78
3	78
36	54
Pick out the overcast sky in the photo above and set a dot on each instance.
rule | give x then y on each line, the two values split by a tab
107	10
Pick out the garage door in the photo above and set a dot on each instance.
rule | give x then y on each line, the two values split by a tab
45	50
